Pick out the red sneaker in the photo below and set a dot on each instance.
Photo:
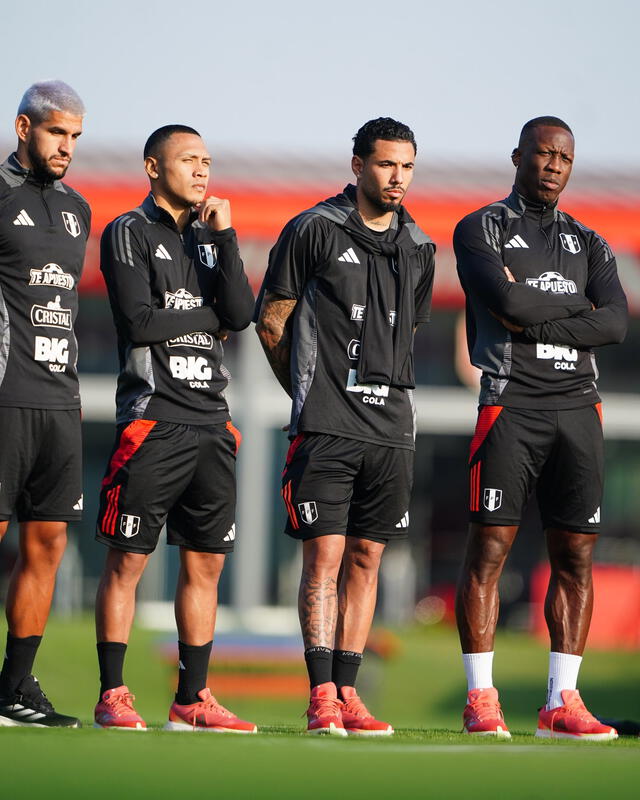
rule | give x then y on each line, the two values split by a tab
357	719
572	721
325	711
115	710
483	716
206	715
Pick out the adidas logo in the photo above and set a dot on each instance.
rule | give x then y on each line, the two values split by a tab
595	519
23	219
517	241
78	505
349	256
231	535
162	252
404	522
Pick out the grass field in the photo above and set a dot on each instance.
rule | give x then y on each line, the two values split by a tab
420	690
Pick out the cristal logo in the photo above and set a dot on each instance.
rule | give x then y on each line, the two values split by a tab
181	300
201	340
51	275
51	316
553	282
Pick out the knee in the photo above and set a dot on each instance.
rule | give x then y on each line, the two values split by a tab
364	556
44	543
124	568
204	568
571	555
323	556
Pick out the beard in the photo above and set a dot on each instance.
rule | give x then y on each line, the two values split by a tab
378	203
42	171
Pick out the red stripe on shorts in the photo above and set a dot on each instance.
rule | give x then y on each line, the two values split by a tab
487	416
598	407
130	440
235	433
474	487
286	496
111	513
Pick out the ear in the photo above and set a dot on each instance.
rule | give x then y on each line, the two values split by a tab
151	167
357	165
23	127
515	157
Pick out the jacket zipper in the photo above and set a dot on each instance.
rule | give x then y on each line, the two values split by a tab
544	233
46	205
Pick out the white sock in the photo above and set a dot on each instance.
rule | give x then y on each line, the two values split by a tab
479	670
563	674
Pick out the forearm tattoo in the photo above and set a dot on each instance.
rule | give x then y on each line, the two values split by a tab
318	610
273	330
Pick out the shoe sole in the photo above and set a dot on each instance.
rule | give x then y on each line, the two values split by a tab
184	727
499	733
332	730
544	733
138	727
5	722
357	732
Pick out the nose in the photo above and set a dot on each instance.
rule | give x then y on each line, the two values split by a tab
67	143
202	170
397	176
555	163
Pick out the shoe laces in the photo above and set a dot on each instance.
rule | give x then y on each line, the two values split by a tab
210	704
35	697
122	703
486	709
325	707
355	706
576	708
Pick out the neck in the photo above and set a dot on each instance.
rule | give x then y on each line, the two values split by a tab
175	209
371	216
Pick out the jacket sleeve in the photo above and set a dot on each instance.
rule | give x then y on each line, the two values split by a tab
424	289
482	276
606	323
234	298
124	264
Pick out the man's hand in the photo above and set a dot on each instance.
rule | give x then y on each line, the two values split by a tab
216	213
222	335
510	326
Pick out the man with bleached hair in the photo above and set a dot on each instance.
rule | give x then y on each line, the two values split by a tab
44	226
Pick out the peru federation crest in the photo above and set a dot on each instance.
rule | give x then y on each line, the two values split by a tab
570	242
208	255
71	223
492	499
308	512
129	525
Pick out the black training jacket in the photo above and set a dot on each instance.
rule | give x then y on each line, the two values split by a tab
43	235
562	269
317	262
169	293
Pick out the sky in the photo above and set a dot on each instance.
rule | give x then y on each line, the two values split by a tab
286	77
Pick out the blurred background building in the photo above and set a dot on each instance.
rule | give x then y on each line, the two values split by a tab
418	577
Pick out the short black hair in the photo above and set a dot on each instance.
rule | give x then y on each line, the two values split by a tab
539	122
390	130
160	136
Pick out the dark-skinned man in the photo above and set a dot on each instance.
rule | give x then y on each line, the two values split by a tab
44	226
176	282
542	290
347	282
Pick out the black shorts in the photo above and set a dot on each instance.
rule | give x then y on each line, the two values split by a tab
333	485
183	475
559	453
40	464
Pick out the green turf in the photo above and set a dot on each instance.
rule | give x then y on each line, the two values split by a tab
420	690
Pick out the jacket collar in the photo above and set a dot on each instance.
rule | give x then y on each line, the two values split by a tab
22	174
156	213
527	208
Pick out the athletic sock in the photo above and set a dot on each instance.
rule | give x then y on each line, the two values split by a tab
18	661
345	668
111	661
193	667
478	668
563	674
319	664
